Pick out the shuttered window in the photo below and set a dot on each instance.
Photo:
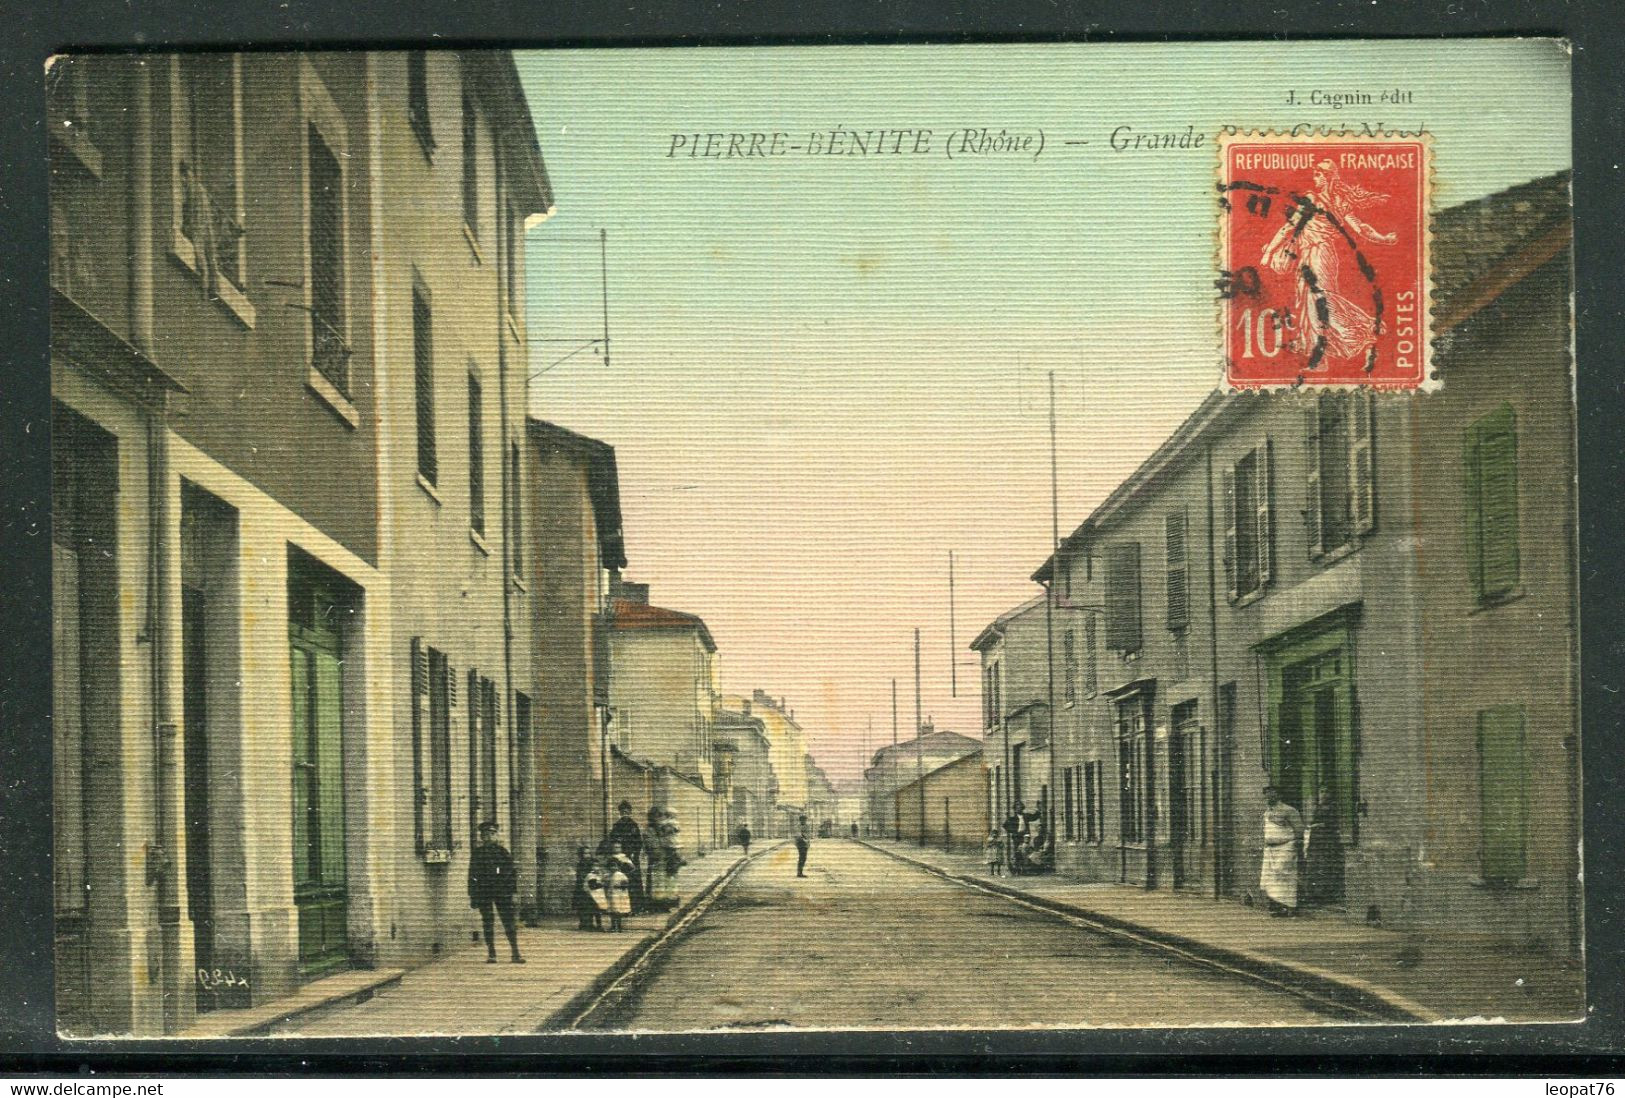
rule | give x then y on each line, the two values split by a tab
1248	488
1492	505
476	456
329	352
1123	597
1178	593
431	747
1070	661
471	168
423	381
1503	794
207	124
417	98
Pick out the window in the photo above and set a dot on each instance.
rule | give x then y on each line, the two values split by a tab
433	691
1178	587
1249	515
330	353
206	174
1340	504
998	696
476	457
471	169
1123	597
1492	505
417	99
484	716
423	378
1503	794
1091	658
1070	648
516	507
1131	744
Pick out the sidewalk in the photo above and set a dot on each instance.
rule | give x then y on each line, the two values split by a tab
460	994
1408	976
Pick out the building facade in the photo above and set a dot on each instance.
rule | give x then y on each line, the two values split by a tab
230	316
571	543
893	767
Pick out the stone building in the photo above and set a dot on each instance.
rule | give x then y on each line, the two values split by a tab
893	767
247	252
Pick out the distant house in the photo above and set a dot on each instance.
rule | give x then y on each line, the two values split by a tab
892	767
949	806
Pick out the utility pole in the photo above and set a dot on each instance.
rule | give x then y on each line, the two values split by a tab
919	737
891	792
1049	607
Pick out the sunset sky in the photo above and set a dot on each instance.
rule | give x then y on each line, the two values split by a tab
827	372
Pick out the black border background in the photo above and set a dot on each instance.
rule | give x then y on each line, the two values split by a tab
36	28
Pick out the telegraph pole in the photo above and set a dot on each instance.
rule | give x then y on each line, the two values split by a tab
919	740
1049	606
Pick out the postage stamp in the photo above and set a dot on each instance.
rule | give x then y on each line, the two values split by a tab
1323	253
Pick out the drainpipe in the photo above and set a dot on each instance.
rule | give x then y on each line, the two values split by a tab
1220	749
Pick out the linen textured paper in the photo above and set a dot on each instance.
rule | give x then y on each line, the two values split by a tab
834	538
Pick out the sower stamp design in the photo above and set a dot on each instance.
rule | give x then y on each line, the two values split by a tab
1323	253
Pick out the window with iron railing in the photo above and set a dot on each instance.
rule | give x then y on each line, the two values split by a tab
330	352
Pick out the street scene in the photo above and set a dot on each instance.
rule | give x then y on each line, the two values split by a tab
587	541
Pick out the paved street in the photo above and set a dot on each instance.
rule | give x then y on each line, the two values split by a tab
866	941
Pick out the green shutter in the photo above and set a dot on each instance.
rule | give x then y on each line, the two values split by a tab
1228	503
1362	469
1123	598
330	766
1503	822
1266	512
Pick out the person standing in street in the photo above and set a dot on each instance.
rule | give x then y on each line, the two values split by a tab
743	835
619	888
803	844
491	884
1283	844
1323	855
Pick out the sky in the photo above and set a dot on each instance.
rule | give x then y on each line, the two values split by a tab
828	372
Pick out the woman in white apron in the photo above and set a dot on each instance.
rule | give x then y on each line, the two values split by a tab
1283	840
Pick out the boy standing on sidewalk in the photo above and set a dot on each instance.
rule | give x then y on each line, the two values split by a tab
491	884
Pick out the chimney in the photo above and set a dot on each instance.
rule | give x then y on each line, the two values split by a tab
628	591
745	703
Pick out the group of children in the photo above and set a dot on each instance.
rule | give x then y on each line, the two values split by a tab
603	887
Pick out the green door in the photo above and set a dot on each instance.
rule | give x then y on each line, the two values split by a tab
318	798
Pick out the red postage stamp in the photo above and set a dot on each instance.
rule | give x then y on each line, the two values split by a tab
1323	253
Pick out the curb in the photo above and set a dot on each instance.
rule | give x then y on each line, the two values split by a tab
559	1019
384	980
1350	992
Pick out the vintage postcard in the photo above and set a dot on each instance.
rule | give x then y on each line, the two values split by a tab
981	537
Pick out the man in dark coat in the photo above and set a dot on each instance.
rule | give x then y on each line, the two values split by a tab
743	836
491	884
627	832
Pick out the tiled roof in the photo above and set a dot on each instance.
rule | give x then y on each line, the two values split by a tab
626	614
1470	238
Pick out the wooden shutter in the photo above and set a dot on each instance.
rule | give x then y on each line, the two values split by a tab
1503	803
419	675
1123	597
1312	524
1228	504
1091	658
1178	595
1498	503
1069	664
1265	465
1362	468
476	456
